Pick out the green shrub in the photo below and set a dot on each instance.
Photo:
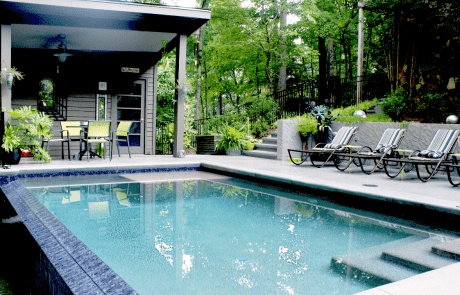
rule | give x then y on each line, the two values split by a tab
231	139
434	107
308	124
372	118
349	111
397	104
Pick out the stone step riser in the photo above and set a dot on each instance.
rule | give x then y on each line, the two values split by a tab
259	154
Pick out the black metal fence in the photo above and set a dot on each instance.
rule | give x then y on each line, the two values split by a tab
295	99
373	85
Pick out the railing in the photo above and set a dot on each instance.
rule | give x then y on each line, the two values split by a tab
295	99
58	108
163	141
374	85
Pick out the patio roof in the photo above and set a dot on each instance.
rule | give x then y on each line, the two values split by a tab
98	25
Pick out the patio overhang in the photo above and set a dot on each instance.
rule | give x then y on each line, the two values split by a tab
98	25
97	33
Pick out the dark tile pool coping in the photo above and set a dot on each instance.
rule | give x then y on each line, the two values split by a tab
70	266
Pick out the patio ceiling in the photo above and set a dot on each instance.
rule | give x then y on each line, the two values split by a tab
97	25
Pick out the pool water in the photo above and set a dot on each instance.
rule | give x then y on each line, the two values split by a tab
212	237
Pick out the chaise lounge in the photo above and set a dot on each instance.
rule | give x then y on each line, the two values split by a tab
342	138
432	158
371	159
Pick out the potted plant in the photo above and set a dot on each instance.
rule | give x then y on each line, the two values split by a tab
10	74
232	141
30	128
308	125
46	92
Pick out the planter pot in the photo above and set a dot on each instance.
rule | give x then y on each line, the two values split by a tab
249	146
12	158
206	144
233	152
9	80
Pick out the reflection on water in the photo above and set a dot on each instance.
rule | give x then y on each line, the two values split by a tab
201	237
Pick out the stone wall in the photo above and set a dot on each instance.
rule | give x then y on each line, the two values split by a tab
418	136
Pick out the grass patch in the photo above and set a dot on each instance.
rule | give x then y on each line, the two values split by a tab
372	118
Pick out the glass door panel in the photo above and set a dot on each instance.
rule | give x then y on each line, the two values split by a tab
130	107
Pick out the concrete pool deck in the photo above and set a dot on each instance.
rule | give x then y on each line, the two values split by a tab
437	194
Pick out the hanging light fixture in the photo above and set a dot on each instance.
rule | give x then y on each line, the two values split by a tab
62	54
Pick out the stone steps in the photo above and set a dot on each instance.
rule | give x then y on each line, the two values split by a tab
366	264
418	256
398	260
267	149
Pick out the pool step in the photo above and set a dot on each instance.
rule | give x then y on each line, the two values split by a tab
449	249
418	255
398	260
366	264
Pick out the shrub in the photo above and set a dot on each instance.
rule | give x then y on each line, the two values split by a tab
434	107
231	139
397	104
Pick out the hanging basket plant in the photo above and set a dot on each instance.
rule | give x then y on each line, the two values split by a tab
11	74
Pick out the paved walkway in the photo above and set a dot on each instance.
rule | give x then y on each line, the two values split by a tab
437	194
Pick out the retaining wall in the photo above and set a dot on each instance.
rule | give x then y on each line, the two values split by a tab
418	136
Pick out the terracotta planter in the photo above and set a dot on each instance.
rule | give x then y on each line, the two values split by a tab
11	158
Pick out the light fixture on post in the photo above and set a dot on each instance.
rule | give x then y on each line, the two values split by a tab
62	54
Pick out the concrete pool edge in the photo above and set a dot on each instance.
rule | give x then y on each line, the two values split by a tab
79	270
368	192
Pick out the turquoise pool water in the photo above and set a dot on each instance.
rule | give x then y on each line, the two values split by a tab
214	237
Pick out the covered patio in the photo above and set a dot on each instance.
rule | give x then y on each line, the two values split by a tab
110	71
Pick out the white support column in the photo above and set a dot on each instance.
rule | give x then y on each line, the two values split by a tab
155	88
179	106
5	55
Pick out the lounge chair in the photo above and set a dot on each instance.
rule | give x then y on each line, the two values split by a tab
323	150
453	167
367	157
436	154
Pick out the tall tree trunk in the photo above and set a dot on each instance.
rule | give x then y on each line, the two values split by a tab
330	49
283	23
322	70
359	73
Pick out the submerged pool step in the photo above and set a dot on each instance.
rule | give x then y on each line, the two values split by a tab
418	255
367	264
449	249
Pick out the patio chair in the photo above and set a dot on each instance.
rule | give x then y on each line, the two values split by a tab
98	132
436	154
323	150
123	132
70	131
365	157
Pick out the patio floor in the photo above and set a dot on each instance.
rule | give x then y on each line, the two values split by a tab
436	194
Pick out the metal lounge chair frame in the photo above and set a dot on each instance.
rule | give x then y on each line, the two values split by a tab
342	138
453	165
432	158
390	140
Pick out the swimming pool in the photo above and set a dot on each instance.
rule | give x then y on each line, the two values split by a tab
215	235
